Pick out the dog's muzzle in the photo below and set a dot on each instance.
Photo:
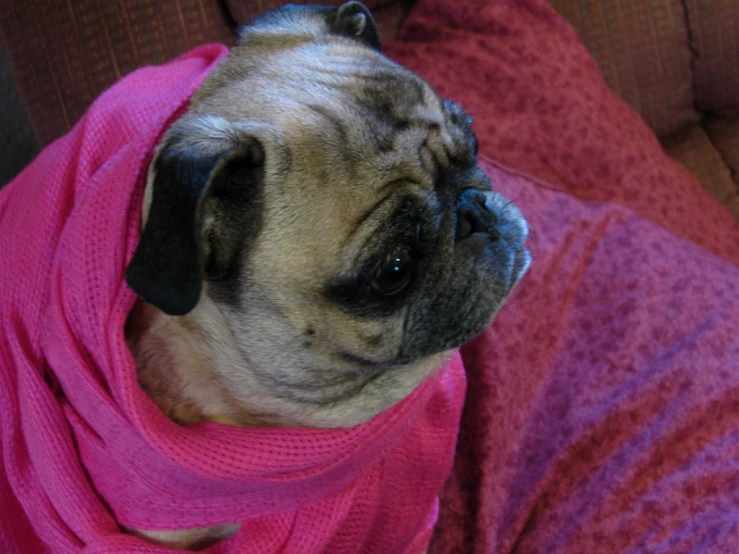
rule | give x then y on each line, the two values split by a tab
493	217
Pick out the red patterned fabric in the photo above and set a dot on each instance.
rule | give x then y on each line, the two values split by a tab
602	411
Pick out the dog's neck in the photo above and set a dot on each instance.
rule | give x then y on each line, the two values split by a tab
174	363
182	364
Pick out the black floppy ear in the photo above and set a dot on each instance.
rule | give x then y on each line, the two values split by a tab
354	20
197	163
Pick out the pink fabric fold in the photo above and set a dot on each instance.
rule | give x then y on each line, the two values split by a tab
84	449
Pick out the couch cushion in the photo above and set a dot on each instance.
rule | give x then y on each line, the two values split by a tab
692	147
18	146
644	54
94	44
724	133
714	27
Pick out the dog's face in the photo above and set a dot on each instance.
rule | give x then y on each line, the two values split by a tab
322	207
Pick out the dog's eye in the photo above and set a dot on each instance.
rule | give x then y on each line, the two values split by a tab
394	274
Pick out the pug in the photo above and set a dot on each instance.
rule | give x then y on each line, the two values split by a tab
317	236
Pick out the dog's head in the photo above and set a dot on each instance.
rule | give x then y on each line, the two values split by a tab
327	205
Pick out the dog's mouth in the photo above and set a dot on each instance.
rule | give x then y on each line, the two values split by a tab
521	264
513	229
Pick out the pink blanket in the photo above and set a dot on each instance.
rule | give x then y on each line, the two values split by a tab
84	449
601	412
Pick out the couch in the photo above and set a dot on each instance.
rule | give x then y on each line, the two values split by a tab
601	408
674	62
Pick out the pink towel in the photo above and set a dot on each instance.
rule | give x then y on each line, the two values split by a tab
84	449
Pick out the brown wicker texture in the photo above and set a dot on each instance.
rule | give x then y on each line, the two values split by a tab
714	28
643	51
724	133
64	54
661	59
244	11
693	148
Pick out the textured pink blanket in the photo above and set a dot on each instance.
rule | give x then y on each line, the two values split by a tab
84	449
602	411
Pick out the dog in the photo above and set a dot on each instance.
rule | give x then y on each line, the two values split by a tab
317	237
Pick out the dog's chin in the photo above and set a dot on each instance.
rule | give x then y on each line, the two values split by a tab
521	264
483	303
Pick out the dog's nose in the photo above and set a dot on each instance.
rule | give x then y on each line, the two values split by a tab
474	215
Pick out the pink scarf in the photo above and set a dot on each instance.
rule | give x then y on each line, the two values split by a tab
84	449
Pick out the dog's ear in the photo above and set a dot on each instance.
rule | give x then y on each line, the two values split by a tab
352	20
206	191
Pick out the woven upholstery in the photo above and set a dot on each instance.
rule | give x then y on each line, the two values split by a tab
388	14
96	43
724	133
675	62
243	11
694	149
18	147
643	51
64	54
714	26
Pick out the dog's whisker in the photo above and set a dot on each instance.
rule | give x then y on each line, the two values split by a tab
533	241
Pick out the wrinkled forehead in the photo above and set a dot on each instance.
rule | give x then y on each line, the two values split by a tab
338	103
363	103
352	87
337	66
